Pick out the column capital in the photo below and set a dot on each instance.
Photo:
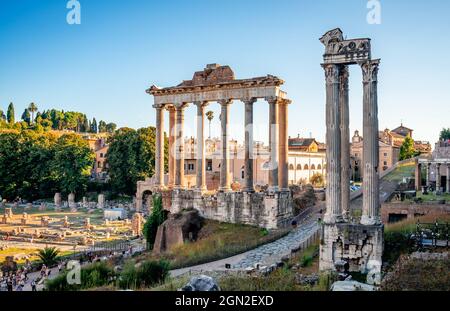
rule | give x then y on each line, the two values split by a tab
285	101
180	106
370	70
201	104
273	100
159	106
249	101
225	102
331	73
170	107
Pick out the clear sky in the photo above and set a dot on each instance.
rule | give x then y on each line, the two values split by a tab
103	66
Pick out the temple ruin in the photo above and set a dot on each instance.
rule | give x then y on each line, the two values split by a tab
270	209
360	244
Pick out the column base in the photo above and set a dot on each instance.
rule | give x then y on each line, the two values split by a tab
370	220
333	219
273	189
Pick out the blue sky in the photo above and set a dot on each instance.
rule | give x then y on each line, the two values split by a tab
103	66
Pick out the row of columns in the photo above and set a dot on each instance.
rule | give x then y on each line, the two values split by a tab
278	144
438	176
338	144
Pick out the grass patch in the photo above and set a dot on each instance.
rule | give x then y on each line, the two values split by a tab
216	241
404	170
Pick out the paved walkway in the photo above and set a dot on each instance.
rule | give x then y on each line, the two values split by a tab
265	254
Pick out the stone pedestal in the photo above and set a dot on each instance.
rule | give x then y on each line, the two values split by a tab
8	212
136	224
359	245
101	201
57	199
71	200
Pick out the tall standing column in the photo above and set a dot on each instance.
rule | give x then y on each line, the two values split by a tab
179	147
273	143
172	151
201	171
438	177
225	183
371	196
283	174
448	178
159	156
345	141
428	175
418	177
333	140
248	154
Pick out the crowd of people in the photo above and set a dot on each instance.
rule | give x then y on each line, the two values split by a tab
16	281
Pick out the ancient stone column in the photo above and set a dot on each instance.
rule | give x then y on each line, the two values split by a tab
179	147
438	177
273	143
371	197
418	177
201	171
248	161
172	152
57	199
448	178
283	166
345	141
159	153
225	183
428	174
333	140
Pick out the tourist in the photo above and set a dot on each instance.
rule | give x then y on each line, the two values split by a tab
9	285
33	286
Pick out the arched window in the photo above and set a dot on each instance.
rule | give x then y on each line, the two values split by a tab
319	167
299	167
313	167
306	167
291	167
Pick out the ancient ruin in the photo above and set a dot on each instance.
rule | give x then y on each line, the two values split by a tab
270	209
359	244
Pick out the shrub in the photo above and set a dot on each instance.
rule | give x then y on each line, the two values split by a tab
147	274
93	275
154	221
395	244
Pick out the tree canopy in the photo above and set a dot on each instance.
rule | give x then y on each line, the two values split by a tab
445	134
131	157
407	150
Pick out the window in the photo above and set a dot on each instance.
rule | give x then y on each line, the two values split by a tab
101	155
291	167
319	167
209	165
306	167
385	154
242	174
299	167
385	162
313	167
99	164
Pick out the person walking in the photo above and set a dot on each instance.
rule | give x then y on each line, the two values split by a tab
33	286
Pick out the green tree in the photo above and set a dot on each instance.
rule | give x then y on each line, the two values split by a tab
156	219
111	127
32	108
94	128
407	150
445	134
317	180
210	117
10	117
86	125
26	116
72	163
102	126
